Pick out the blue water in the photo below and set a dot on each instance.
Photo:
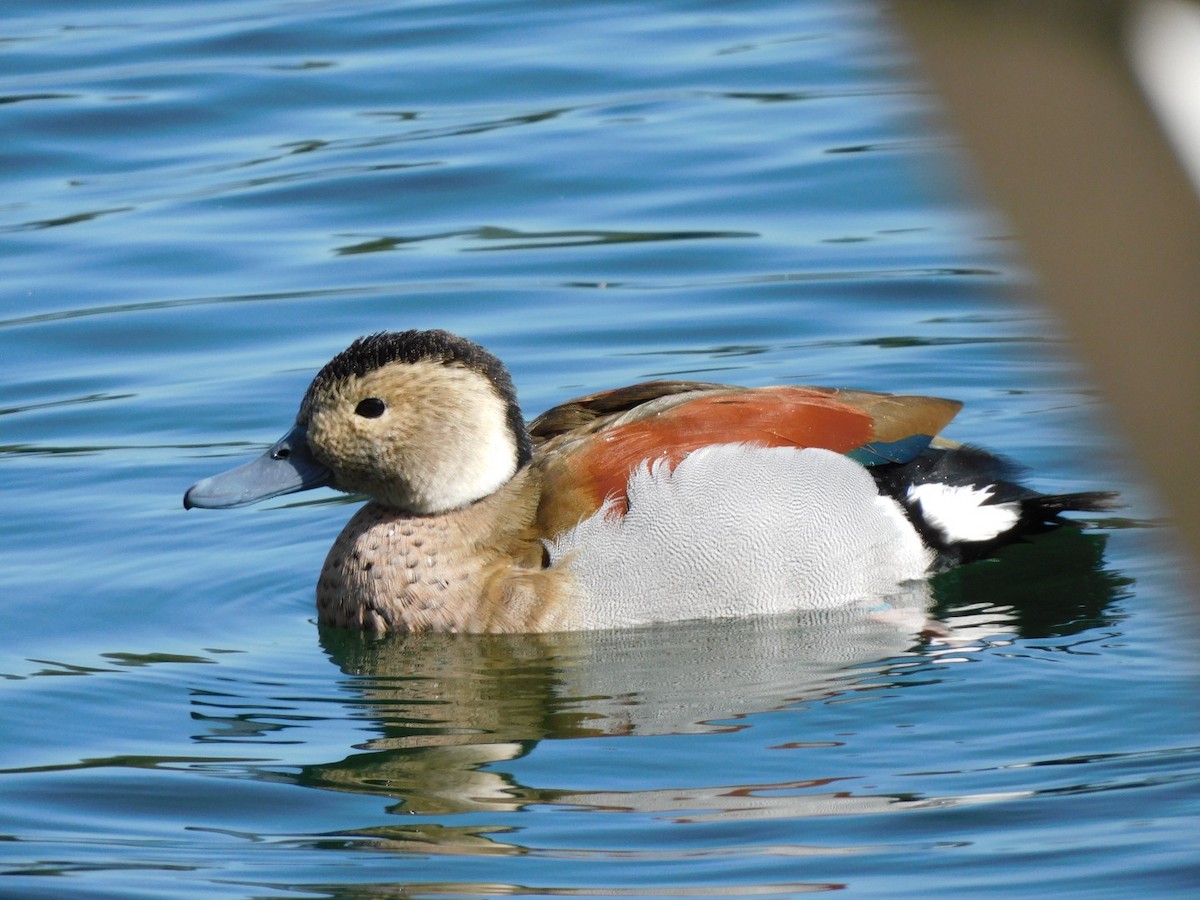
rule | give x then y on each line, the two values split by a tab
204	201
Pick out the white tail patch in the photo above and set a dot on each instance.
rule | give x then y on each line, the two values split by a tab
962	513
737	529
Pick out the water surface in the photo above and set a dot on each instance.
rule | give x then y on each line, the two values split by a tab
206	201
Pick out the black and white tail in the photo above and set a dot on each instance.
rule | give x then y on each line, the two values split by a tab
966	503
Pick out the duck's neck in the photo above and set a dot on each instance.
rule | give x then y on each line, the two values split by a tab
395	571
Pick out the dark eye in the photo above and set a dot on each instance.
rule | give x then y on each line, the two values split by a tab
371	408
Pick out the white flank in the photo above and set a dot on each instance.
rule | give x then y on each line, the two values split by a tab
735	530
961	512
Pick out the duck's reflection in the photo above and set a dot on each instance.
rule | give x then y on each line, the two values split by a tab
443	708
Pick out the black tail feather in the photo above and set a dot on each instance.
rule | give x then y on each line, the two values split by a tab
1052	505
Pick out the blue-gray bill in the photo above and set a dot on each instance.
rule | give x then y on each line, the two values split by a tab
286	468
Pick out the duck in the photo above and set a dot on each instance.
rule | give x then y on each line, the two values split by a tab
655	502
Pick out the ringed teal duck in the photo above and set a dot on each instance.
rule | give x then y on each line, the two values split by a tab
659	501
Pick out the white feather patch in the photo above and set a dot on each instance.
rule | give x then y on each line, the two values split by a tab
737	529
962	513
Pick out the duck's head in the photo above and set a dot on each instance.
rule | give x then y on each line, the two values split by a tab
421	421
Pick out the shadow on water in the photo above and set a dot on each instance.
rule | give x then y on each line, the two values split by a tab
1053	586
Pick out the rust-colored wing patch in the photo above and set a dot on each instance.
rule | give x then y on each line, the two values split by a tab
591	412
589	447
768	417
